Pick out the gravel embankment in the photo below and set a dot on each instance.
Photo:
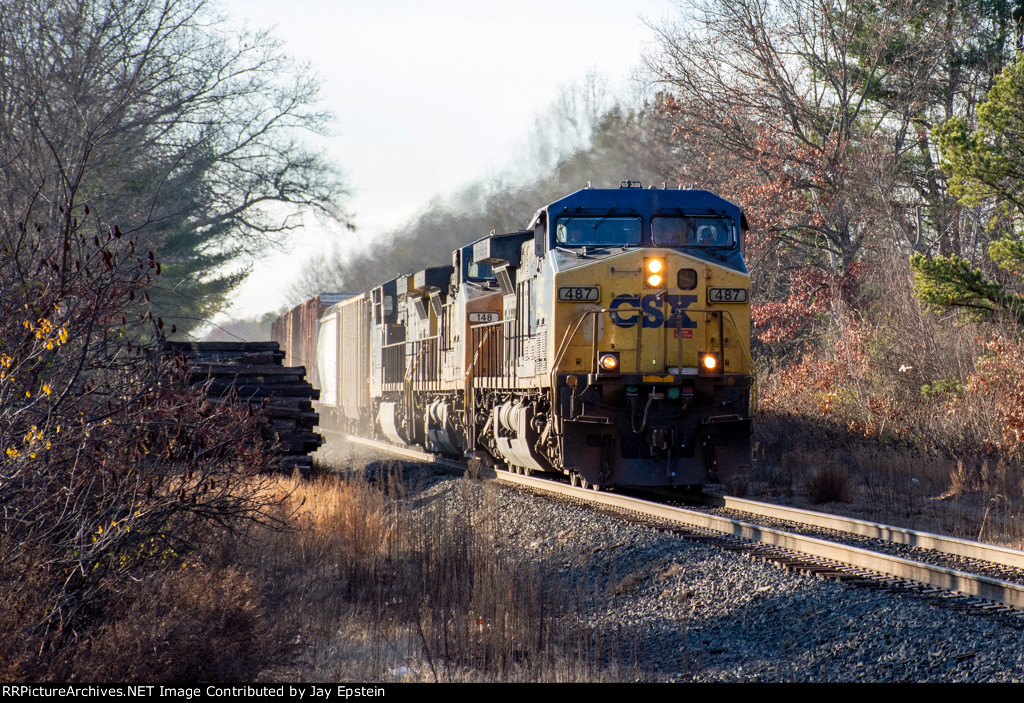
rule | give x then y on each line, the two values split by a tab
684	611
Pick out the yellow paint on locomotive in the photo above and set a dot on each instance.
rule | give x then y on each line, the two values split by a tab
652	334
482	353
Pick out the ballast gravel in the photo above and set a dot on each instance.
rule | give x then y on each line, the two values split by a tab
686	611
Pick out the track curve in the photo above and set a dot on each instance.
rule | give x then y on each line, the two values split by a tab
844	555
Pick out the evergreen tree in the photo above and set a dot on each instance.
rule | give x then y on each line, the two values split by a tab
155	116
986	168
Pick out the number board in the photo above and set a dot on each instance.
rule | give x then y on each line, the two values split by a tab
579	294
727	295
484	316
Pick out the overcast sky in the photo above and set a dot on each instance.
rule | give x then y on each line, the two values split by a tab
429	95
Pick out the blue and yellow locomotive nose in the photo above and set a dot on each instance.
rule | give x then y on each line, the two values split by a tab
652	368
652	312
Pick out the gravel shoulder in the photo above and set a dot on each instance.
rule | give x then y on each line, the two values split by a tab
685	611
666	609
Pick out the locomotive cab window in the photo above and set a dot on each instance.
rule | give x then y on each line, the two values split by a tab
692	231
480	272
598	230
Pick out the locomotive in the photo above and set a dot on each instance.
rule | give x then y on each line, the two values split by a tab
608	342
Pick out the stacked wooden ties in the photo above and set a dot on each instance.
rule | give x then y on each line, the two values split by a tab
251	372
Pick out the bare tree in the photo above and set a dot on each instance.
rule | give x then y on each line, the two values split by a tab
156	115
111	465
785	89
836	104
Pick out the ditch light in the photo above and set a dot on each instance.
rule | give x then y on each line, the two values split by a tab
608	361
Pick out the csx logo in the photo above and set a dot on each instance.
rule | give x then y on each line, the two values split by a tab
651	309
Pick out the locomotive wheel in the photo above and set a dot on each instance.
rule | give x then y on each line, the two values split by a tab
574	479
584	483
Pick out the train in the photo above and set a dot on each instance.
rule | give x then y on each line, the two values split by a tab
608	343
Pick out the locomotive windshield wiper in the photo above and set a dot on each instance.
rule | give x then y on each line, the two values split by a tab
602	220
579	254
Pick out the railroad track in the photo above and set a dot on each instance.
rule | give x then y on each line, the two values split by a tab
995	573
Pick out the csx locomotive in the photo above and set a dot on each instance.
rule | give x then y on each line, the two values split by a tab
608	342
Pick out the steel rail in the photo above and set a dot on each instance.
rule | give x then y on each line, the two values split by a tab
941	577
970	549
409	452
1011	594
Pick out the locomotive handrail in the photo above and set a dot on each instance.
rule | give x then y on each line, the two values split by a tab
389	362
574	326
750	362
470	423
474	330
418	356
485	334
410	369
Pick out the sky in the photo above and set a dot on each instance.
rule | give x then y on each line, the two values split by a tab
430	95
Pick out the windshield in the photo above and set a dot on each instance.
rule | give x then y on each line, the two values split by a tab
692	231
479	271
599	231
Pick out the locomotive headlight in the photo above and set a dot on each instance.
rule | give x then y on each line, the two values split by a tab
655	272
608	361
708	362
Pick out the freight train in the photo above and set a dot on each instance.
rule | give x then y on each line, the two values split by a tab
608	342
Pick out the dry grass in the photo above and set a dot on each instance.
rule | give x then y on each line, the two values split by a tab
973	499
387	581
374	578
200	620
197	624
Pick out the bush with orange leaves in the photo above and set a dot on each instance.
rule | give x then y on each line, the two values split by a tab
996	388
829	385
843	389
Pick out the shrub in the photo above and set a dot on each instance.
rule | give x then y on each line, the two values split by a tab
830	484
193	624
112	466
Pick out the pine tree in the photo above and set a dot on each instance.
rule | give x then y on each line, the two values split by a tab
986	168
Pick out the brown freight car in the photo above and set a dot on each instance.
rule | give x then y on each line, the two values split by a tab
296	332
